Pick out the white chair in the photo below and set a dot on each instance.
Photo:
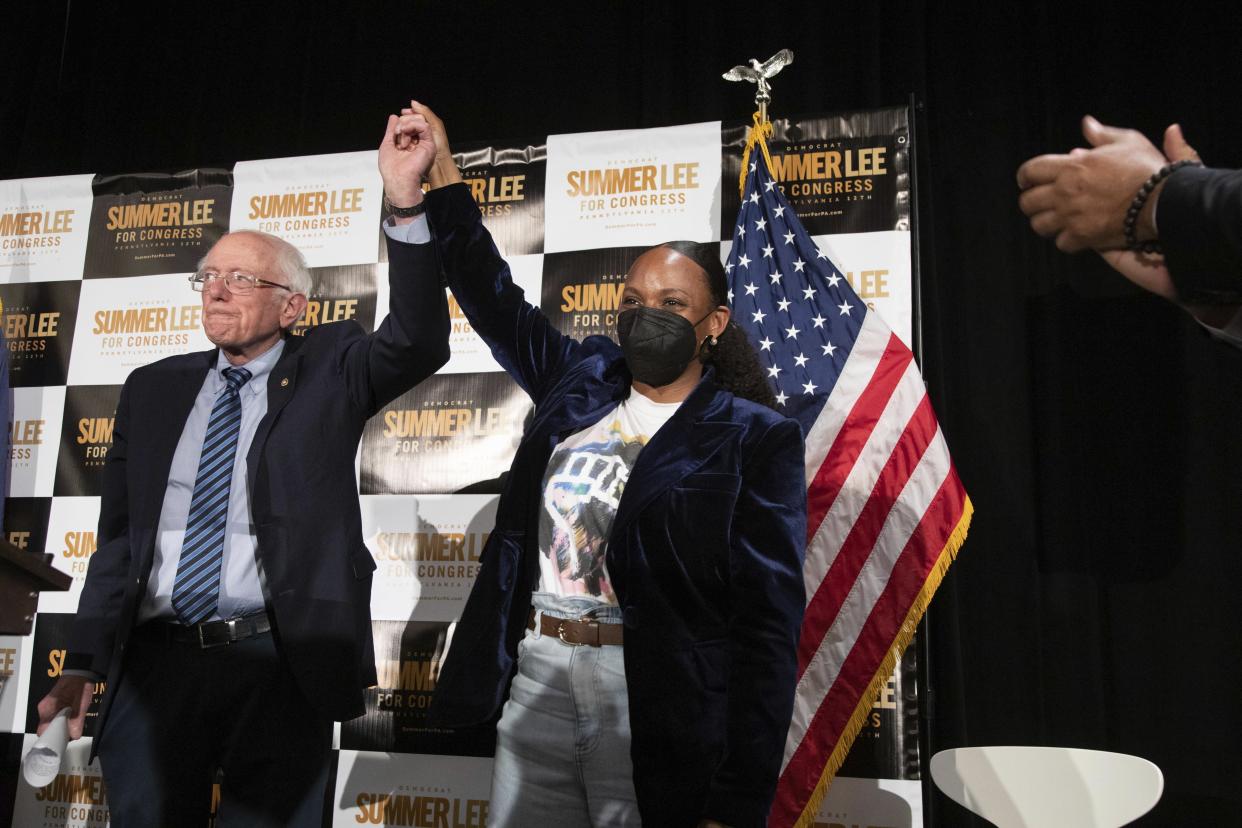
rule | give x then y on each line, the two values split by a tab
1033	787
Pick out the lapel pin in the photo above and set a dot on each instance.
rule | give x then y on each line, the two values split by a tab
284	382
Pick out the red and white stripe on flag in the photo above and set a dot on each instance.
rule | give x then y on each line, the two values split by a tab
886	515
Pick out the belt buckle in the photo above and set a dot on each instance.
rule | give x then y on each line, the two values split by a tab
204	644
560	629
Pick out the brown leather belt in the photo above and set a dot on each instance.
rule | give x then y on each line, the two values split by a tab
577	631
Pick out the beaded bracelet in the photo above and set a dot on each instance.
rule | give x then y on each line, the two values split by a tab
1140	198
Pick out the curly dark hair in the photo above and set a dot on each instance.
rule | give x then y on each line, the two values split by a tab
734	358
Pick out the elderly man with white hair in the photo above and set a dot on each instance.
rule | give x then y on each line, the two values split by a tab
228	604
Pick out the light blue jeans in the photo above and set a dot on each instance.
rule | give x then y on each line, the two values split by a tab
563	743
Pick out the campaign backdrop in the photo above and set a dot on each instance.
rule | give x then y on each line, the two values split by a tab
94	283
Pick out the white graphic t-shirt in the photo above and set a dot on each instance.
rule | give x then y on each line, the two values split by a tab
581	489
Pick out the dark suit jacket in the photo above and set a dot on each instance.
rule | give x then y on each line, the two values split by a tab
705	555
303	499
1199	215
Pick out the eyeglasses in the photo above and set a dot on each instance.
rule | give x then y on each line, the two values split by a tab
237	283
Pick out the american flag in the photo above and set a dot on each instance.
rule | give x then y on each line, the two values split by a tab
886	511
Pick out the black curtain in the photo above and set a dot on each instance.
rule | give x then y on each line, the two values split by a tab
1094	425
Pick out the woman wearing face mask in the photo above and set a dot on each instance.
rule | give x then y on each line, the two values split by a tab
635	616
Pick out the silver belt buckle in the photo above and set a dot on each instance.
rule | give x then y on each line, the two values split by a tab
203	644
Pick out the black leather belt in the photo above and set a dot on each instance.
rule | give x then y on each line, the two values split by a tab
211	633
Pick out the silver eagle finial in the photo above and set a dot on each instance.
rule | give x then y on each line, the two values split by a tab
758	73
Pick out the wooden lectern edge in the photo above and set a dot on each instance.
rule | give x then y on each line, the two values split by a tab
38	568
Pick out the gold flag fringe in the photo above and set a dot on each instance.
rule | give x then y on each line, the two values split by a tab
904	635
760	131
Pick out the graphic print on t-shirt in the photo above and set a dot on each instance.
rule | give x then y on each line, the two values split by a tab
580	495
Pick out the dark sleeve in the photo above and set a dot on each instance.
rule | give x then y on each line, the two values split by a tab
412	342
767	599
1199	216
99	607
520	337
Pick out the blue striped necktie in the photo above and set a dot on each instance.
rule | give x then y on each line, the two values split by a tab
197	587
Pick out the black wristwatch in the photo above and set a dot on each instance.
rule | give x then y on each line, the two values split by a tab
405	212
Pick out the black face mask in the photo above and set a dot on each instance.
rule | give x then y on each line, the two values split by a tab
658	344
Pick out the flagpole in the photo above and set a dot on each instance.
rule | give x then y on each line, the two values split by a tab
923	681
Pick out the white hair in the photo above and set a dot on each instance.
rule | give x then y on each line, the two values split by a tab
290	263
